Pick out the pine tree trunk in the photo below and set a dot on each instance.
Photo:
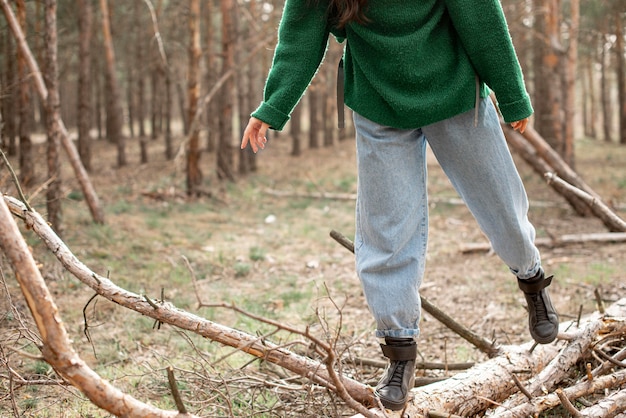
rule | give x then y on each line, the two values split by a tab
114	106
571	65
27	168
313	115
225	164
606	91
53	193
296	131
621	75
547	74
85	20
194	174
9	142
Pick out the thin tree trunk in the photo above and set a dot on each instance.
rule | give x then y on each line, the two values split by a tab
570	82
255	88
589	100
313	115
296	131
243	85
547	75
606	92
225	164
114	106
8	99
85	20
621	74
53	105
194	174
27	167
212	66
141	84
81	175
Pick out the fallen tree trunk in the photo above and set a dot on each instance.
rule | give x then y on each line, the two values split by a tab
604	237
599	209
57	348
166	313
527	151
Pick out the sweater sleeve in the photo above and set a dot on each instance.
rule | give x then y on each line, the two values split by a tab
483	30
302	41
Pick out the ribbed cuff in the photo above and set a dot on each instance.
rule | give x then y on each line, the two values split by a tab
512	112
272	116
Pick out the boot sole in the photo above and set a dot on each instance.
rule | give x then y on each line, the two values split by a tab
545	340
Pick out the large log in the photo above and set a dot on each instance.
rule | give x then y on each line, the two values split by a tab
475	391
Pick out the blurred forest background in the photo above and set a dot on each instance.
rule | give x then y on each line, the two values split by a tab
135	107
148	70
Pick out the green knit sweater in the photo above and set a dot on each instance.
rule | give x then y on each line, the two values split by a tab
414	63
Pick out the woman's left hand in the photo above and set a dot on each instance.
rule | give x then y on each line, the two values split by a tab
520	125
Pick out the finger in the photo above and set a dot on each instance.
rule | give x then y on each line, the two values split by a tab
523	126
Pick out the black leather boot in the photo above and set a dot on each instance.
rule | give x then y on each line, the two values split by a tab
543	320
393	389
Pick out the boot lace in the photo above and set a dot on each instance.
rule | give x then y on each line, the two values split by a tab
398	373
539	307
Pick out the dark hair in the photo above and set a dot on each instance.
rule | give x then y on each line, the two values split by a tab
342	12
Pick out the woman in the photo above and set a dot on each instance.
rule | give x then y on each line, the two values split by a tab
416	72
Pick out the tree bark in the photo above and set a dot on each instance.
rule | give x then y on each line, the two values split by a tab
81	175
621	71
114	105
8	133
571	64
296	130
194	174
85	23
53	106
27	167
605	58
314	105
225	157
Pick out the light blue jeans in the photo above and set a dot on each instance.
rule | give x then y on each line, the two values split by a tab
392	207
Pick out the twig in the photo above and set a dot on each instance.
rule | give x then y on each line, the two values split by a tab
599	301
567	404
26	354
86	327
16	181
521	387
610	359
175	393
11	394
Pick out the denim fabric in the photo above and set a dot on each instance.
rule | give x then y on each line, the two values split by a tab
392	207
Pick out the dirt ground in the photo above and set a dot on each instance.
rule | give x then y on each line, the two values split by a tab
273	255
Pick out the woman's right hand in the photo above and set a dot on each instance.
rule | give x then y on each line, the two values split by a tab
254	134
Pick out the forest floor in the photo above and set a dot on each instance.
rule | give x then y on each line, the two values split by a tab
273	257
